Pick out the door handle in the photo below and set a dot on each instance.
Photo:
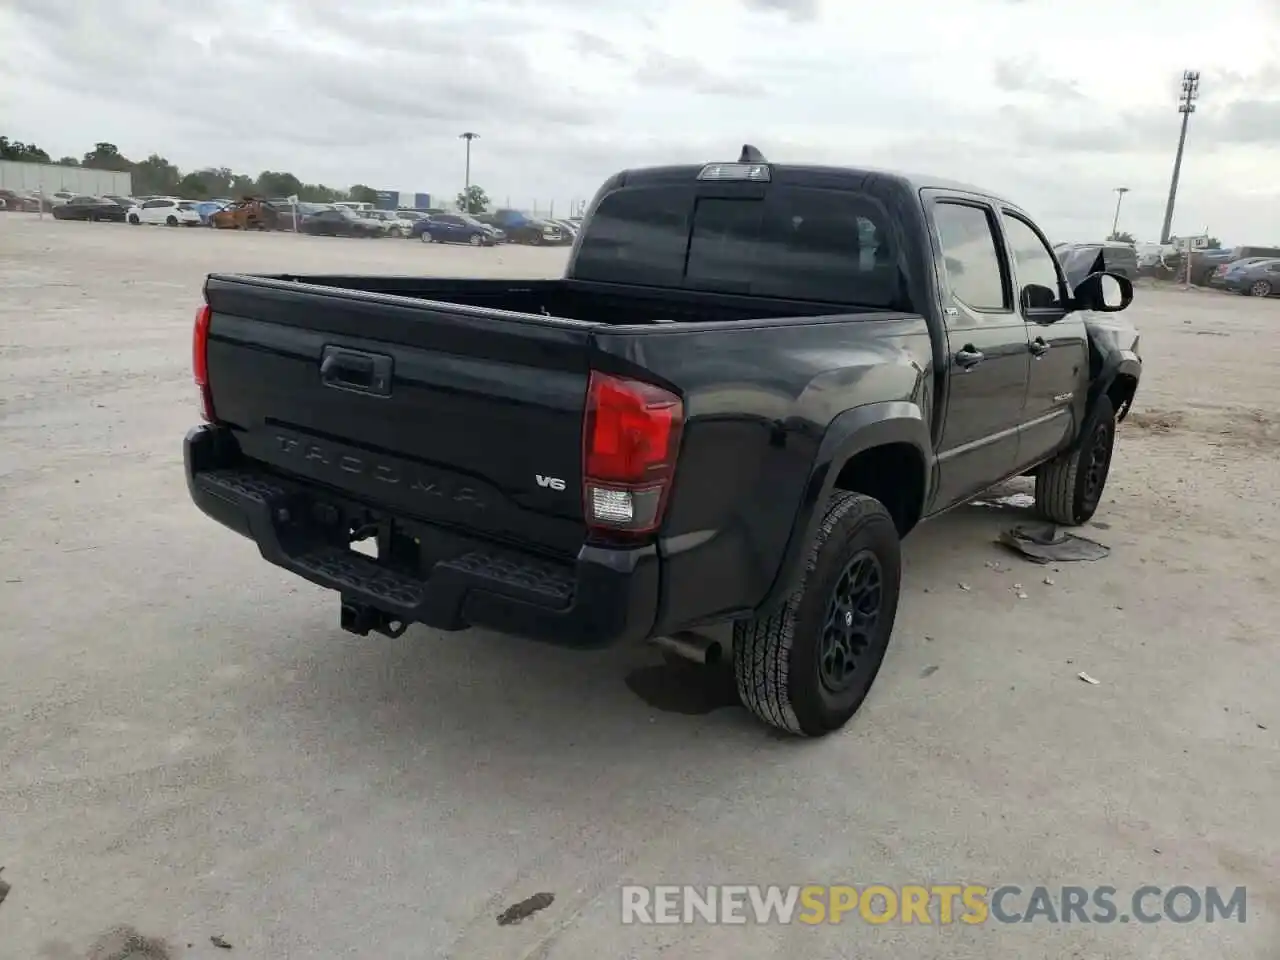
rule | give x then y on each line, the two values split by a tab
967	357
1039	347
356	371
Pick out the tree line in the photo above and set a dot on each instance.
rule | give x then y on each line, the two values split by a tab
157	176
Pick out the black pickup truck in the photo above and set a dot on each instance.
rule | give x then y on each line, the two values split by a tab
753	380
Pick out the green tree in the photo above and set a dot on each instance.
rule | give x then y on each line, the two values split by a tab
1121	236
155	175
319	193
362	194
217	181
193	187
241	186
106	156
273	184
473	200
22	152
68	162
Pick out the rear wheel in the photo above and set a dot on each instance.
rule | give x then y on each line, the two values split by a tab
1260	288
808	667
1069	487
133	219
475	240
171	220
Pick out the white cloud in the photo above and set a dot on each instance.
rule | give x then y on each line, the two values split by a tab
1049	104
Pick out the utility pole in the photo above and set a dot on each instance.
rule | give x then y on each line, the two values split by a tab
466	191
1186	107
1115	224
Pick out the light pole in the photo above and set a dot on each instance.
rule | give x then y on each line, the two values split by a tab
1186	107
1115	223
466	191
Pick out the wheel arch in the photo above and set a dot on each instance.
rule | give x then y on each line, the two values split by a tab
879	449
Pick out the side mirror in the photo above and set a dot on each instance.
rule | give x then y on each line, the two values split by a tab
1103	293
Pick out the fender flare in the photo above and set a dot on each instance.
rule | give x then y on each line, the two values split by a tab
1118	363
850	433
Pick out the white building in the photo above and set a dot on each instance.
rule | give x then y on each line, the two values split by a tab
51	177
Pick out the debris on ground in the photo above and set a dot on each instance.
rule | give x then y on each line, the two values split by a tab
1088	679
1048	544
1020	501
928	671
963	586
219	942
1048	581
5	888
525	909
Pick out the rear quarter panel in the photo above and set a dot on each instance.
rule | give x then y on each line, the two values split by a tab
759	399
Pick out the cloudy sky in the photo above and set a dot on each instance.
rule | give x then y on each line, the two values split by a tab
1050	102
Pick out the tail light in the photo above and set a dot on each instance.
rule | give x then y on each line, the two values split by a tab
200	361
630	440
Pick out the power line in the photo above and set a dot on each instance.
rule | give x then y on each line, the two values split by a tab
1186	107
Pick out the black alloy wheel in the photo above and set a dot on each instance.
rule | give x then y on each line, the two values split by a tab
852	615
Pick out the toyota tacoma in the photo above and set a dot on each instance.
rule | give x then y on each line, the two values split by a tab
752	381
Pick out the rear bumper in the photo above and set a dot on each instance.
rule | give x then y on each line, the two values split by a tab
445	580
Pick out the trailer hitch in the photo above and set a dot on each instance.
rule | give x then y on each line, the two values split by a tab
361	618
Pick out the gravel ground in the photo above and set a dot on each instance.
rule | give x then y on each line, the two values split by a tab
191	747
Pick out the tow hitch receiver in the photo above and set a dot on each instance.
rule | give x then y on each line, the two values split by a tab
360	618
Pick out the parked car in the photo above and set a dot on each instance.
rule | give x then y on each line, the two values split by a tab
56	199
339	222
286	213
390	222
664	444
1256	278
19	202
522	228
122	201
454	228
1220	271
170	211
1205	263
89	208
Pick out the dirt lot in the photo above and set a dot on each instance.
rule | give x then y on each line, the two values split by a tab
191	747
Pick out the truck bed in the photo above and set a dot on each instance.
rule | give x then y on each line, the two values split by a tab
586	301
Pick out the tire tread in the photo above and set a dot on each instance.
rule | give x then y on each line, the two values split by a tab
762	648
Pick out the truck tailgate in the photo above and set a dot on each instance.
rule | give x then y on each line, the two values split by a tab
462	416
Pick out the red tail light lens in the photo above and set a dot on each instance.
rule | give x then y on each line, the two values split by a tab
200	361
630	440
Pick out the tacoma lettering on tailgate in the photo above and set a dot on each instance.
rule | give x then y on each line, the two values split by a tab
323	458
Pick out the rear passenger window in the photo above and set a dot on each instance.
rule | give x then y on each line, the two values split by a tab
971	256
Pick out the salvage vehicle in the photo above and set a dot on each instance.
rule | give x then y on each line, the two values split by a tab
752	381
247	213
